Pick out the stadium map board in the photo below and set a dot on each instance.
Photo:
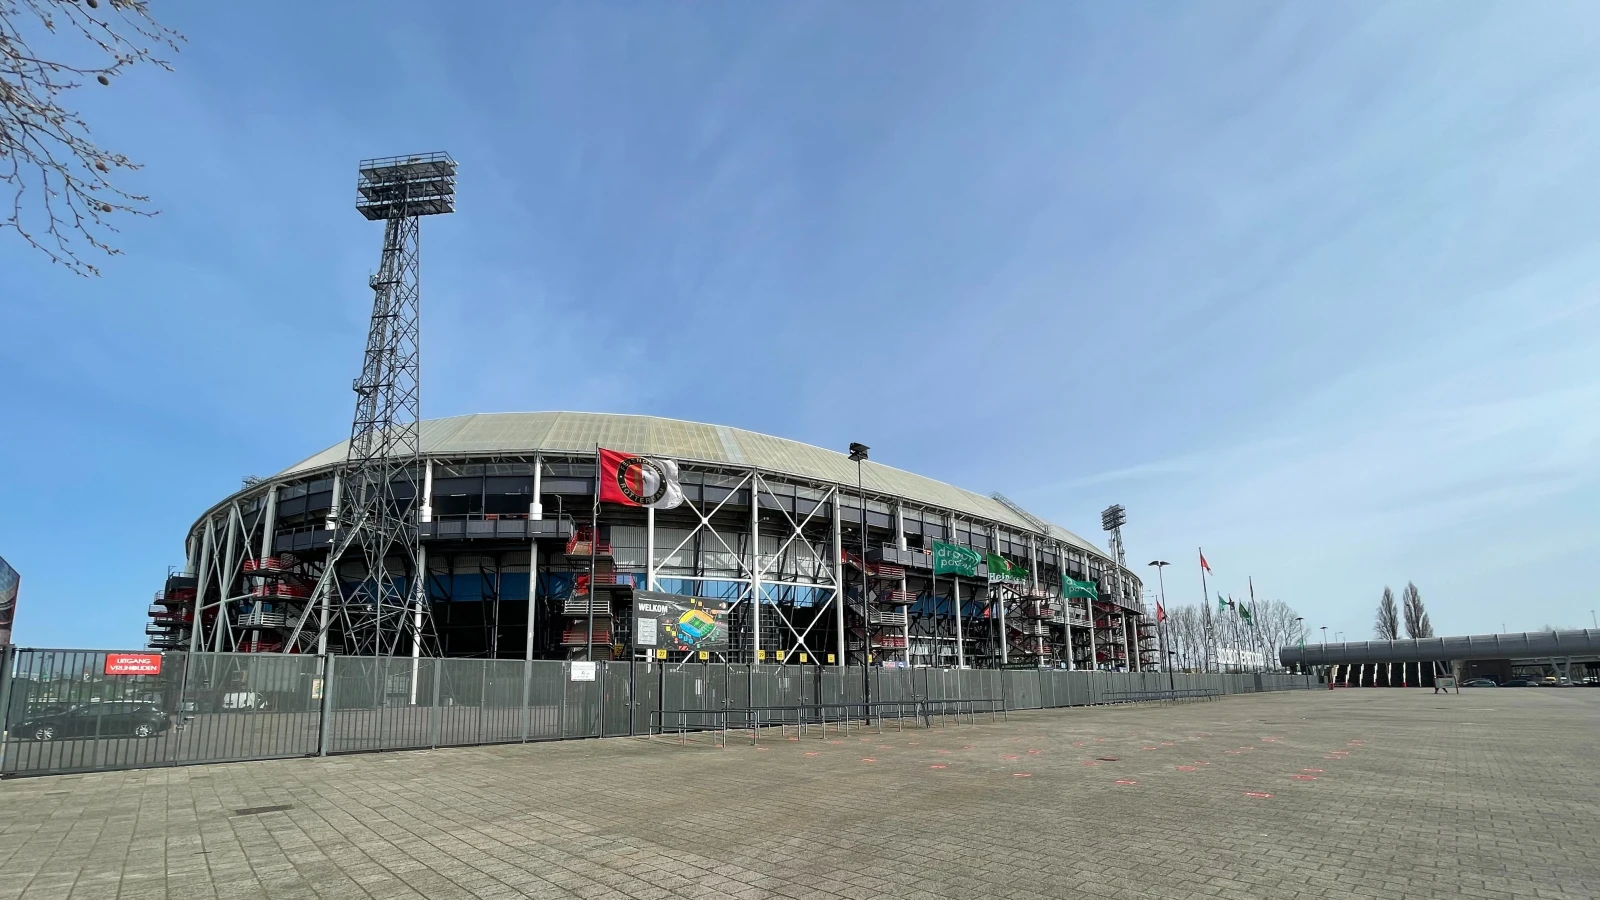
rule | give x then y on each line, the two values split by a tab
678	622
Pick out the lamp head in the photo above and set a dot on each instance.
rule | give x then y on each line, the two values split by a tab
858	452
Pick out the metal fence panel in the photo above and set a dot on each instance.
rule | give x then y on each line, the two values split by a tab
240	706
64	714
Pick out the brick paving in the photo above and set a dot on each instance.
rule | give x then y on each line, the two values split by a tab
1351	794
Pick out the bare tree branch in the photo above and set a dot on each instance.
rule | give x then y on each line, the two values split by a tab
1387	625
61	193
1417	622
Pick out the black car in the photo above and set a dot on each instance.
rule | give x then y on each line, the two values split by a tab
1520	682
113	718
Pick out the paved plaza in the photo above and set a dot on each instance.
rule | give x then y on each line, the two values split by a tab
1340	794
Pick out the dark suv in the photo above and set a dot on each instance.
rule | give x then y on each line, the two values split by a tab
113	718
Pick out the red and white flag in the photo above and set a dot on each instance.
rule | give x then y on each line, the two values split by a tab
634	480
1205	566
1161	613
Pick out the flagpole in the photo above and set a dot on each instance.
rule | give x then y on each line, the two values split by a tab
594	543
1205	597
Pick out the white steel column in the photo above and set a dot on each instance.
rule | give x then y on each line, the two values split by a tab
905	611
1066	602
535	514
225	576
755	567
427	492
419	592
961	650
838	581
995	598
202	574
269	525
650	548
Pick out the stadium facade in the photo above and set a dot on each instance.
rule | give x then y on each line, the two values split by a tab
509	501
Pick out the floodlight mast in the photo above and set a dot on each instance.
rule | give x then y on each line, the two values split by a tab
372	597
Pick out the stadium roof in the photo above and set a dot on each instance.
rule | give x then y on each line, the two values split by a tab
576	432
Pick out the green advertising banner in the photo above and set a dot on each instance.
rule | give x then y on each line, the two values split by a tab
1084	589
1001	570
949	559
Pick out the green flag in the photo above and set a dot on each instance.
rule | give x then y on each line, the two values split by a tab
1222	605
1001	570
1084	589
950	559
1244	613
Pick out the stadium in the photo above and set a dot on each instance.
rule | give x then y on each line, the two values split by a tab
770	542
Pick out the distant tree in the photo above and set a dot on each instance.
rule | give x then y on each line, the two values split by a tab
60	179
1417	623
1387	626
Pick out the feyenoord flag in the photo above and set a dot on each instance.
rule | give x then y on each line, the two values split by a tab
639	480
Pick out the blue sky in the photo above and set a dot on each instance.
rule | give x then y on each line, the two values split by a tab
1312	286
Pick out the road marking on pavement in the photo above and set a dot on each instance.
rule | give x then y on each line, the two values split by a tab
1126	781
868	759
1185	768
1259	795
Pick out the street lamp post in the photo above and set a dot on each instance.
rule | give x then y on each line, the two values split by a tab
1161	564
858	452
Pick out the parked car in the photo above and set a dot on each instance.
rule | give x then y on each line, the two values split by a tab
1479	682
1519	682
113	718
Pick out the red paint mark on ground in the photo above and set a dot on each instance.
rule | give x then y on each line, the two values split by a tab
941	751
1009	756
792	739
1149	748
1099	740
1304	777
938	766
967	747
913	743
812	753
1259	795
1313	771
1185	768
1126	781
1168	744
1035	752
1021	775
867	759
1090	762
1270	740
836	742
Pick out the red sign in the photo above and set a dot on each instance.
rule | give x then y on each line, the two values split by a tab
133	664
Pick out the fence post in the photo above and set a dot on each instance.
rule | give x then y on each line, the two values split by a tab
325	719
433	714
7	654
527	682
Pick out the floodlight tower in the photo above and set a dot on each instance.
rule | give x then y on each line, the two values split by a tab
1112	518
373	578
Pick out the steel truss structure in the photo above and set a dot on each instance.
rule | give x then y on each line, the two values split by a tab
368	597
784	551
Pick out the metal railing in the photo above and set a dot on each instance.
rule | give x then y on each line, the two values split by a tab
80	710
